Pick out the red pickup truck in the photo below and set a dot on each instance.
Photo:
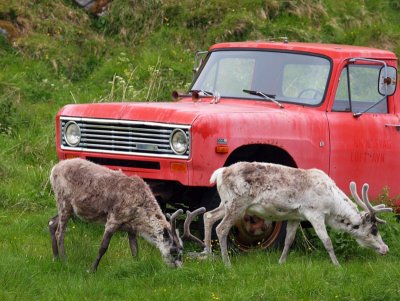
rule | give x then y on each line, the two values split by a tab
331	107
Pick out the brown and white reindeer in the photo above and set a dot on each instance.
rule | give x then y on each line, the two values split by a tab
277	192
97	194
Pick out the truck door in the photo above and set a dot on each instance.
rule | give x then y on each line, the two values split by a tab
364	149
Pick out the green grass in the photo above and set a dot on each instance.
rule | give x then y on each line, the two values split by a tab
139	53
27	270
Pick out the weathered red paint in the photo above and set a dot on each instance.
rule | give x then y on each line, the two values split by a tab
361	149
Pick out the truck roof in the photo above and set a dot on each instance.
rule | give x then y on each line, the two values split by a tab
331	50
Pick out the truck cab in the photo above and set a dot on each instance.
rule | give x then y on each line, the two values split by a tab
331	107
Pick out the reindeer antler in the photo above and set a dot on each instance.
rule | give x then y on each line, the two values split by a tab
172	221
374	210
186	227
365	203
353	190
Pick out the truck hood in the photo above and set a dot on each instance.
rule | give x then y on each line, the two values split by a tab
182	112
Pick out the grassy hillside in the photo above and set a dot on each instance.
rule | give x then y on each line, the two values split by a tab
57	53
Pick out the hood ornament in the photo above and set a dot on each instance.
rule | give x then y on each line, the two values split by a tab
216	98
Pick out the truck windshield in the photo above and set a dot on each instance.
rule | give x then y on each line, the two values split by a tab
288	77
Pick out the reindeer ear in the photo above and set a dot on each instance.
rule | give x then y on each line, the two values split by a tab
370	218
374	230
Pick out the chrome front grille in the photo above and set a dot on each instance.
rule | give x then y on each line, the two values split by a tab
124	137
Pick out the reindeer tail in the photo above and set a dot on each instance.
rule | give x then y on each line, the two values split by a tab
216	176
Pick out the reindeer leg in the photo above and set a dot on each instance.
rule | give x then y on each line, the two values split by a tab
53	223
133	243
231	215
222	232
291	229
209	219
110	229
320	229
60	232
132	238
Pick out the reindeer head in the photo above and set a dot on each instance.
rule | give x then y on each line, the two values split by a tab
367	233
172	240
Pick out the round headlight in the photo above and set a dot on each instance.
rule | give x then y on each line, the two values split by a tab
178	142
72	133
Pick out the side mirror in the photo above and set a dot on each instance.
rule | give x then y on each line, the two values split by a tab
198	61
387	81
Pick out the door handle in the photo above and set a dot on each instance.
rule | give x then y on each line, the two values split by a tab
397	126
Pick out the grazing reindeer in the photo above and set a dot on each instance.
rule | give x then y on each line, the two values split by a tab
277	192
97	194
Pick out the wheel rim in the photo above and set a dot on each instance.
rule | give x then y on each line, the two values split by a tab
252	232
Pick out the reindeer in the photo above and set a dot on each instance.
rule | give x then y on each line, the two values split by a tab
277	192
97	194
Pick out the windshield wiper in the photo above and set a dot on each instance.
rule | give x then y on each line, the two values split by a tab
265	96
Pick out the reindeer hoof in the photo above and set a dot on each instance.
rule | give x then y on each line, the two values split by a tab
91	270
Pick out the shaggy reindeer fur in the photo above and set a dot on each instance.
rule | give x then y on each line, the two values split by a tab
277	192
97	194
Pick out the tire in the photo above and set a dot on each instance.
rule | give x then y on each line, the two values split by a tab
267	234
251	232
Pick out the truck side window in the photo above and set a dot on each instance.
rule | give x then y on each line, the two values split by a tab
358	90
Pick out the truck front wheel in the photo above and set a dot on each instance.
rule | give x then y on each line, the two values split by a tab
250	232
